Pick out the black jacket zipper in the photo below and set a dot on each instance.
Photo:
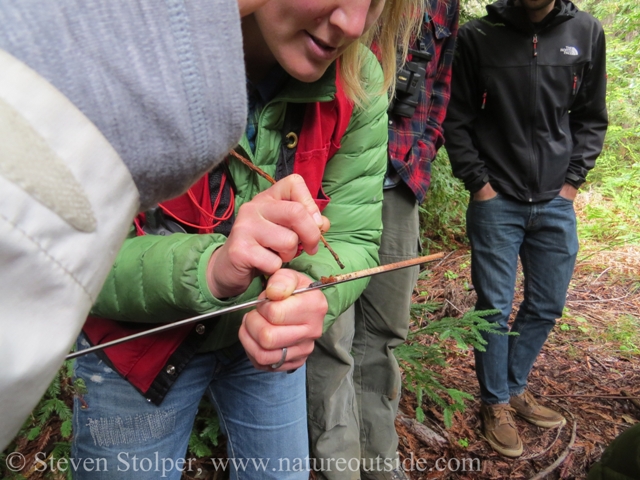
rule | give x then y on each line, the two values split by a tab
534	94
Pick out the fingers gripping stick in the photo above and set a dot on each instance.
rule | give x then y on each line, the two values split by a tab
270	179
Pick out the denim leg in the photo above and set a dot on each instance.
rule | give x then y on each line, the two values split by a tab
548	257
496	230
264	417
125	437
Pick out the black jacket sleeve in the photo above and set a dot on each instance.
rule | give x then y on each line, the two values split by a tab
588	118
464	106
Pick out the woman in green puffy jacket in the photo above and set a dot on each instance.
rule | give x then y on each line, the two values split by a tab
317	124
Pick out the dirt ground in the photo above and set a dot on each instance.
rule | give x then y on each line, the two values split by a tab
585	370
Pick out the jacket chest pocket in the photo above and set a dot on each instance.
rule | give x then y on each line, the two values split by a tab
564	82
577	75
491	86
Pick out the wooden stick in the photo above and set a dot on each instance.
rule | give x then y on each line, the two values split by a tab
633	399
540	454
333	253
578	395
563	456
420	430
543	473
253	167
376	270
271	180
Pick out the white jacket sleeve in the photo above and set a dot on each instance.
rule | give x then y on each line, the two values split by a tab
106	107
66	203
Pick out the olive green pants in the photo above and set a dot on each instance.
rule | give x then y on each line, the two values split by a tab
621	459
353	378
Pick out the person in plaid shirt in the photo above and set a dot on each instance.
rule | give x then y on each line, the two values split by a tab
355	420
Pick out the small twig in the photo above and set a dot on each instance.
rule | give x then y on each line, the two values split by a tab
320	284
345	277
448	260
604	397
603	272
598	361
631	398
333	253
460	311
543	473
594	316
421	431
539	454
253	167
271	180
445	258
601	300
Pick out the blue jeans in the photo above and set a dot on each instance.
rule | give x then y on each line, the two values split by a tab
262	414
544	236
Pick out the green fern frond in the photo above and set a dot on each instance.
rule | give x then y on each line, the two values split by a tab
198	447
66	429
33	433
417	359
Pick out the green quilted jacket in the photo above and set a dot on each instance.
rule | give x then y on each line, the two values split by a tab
158	279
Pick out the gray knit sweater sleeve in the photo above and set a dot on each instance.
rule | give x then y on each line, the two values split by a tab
163	80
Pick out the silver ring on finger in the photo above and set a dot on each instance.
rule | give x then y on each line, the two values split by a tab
275	366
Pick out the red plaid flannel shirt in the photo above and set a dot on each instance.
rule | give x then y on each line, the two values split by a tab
413	142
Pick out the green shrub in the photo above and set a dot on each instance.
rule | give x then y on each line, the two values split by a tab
48	428
417	359
442	214
612	214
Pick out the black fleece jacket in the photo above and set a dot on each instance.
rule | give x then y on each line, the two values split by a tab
527	111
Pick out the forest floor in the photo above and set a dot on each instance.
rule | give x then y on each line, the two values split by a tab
589	369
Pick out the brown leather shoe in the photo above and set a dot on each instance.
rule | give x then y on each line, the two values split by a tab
499	428
528	408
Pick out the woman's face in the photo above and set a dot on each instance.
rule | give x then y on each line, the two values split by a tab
306	36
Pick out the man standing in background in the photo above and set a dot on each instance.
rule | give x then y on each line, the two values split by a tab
526	123
357	420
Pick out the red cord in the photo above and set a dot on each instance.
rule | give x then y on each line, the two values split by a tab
215	207
213	219
139	229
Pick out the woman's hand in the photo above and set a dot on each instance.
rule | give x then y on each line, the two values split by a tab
291	322
266	233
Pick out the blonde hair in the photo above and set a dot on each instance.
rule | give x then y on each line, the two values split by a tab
397	25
